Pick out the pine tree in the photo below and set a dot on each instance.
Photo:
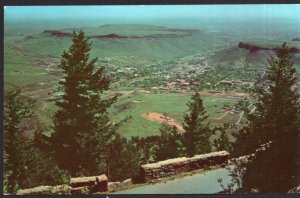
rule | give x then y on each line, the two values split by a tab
170	144
25	164
222	142
123	159
197	129
17	109
82	129
39	168
276	119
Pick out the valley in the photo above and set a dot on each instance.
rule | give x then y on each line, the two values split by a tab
132	99
158	65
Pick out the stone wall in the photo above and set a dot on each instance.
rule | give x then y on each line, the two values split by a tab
149	172
116	186
79	185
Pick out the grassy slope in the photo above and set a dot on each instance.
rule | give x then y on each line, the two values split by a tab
236	58
139	50
172	104
19	71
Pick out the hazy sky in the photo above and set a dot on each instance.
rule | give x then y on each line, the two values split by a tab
164	11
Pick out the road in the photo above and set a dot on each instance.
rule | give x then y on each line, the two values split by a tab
202	183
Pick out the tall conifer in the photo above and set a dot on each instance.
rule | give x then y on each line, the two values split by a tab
197	129
82	128
275	119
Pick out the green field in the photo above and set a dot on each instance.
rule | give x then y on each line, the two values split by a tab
21	72
174	105
153	60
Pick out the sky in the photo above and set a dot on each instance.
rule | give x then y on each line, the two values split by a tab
21	13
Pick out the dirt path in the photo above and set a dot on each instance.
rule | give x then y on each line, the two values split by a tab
225	113
222	116
158	117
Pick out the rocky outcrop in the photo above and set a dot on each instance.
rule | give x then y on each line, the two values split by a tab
149	172
254	48
58	33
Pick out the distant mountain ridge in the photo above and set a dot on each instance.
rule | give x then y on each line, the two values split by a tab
128	45
254	48
185	33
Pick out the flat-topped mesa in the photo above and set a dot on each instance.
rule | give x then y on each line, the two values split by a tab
296	39
58	33
174	166
251	47
254	48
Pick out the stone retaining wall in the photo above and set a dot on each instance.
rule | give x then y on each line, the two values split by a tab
79	185
169	167
148	172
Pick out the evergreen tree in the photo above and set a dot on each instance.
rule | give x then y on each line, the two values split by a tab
276	119
222	142
197	131
82	129
123	159
146	147
25	165
38	166
17	109
170	144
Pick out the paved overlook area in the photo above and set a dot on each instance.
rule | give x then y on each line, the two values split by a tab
202	183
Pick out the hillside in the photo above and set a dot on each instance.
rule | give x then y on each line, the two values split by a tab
251	55
128	44
153	58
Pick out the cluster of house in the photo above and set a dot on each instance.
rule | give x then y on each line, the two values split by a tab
184	83
127	69
230	82
181	83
